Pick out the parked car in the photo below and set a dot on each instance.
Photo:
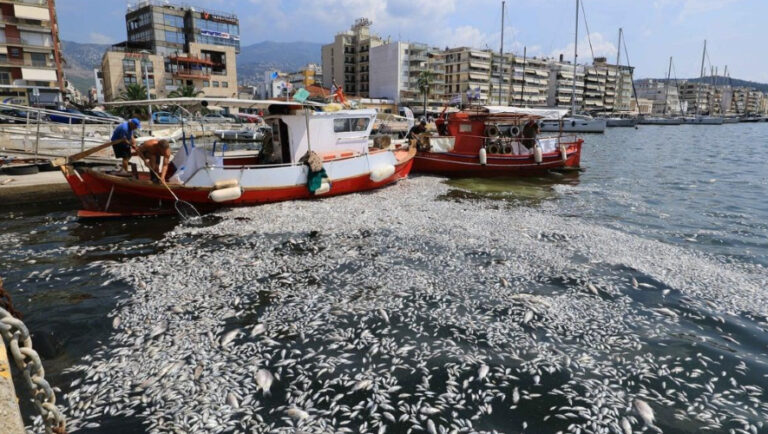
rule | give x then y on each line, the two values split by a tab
165	118
216	118
65	119
103	115
10	115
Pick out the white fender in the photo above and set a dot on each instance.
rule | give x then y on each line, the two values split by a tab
325	187
382	172
483	156
563	153
537	157
228	183
226	194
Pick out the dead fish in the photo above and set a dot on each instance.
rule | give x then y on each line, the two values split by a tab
504	282
232	400
528	316
667	312
645	411
229	337
158	329
116	322
259	329
297	413
264	380
634	282
362	385
626	426
482	372
592	289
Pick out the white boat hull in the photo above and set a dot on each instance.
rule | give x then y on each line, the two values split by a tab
661	121
703	120
574	125
620	122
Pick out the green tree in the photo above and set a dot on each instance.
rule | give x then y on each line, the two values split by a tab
424	82
133	92
185	92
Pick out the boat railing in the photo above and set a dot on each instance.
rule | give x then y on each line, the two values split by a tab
29	130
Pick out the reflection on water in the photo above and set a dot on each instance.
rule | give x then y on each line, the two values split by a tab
529	190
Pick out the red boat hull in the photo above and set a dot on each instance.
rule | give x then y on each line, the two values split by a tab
104	195
458	164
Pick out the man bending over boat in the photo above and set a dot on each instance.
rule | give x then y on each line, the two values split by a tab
150	152
124	133
529	133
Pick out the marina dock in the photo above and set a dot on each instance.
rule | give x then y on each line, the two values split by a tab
10	415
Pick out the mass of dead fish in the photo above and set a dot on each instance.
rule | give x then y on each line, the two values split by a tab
400	311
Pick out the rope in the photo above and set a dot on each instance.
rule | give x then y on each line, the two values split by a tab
7	304
586	25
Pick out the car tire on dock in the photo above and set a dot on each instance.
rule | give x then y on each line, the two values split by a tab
21	169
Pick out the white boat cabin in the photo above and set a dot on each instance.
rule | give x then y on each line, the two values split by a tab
330	134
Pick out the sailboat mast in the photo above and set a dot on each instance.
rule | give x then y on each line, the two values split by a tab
501	66
701	76
666	85
617	96
522	88
575	59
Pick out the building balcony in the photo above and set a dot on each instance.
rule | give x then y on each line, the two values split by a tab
5	19
24	42
191	60
191	74
23	62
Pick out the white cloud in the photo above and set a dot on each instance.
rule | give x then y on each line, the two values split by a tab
602	48
693	7
100	38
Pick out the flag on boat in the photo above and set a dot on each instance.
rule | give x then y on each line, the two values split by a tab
456	99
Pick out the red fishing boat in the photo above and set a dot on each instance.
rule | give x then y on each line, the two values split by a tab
487	142
278	172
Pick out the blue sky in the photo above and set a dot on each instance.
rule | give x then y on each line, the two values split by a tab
736	30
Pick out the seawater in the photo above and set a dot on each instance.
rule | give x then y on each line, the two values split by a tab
543	304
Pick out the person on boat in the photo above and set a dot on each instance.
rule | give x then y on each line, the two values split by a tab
124	133
442	127
416	131
150	152
529	133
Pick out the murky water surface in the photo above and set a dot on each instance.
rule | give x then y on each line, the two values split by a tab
629	297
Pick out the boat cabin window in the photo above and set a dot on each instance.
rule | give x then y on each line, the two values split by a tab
350	125
465	128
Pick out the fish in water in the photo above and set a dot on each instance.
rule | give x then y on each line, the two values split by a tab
645	412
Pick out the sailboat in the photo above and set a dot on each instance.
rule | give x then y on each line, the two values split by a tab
664	119
575	123
619	120
698	118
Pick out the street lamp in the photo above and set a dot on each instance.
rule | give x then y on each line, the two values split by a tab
144	62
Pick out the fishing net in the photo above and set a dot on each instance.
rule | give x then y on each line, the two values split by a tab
186	211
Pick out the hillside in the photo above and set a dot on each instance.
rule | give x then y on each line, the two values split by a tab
252	62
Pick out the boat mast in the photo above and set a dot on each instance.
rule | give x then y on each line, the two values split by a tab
618	72
522	88
501	66
575	59
666	86
701	76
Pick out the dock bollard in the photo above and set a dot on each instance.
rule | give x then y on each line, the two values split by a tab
10	415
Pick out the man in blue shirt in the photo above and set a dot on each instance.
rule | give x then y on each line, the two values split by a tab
124	133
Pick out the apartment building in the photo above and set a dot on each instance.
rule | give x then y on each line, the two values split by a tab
692	93
530	82
561	88
171	46
308	75
396	68
662	95
468	72
347	59
30	54
747	101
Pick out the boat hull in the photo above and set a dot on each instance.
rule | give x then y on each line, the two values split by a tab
570	125
703	120
106	195
468	165
660	121
620	122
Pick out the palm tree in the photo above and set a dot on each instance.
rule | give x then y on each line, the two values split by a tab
185	92
423	82
133	92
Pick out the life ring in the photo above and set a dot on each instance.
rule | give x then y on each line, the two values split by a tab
514	131
494	148
506	149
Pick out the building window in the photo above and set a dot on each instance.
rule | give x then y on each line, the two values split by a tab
129	65
173	20
215	84
174	37
206	83
224	84
38	59
129	79
169	82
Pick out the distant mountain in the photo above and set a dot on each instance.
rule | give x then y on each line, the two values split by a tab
735	82
81	59
252	62
255	59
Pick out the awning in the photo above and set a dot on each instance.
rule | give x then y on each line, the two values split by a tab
3	50
550	113
33	74
31	13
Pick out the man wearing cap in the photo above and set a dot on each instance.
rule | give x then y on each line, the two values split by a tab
124	133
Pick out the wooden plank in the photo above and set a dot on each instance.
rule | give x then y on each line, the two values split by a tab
10	415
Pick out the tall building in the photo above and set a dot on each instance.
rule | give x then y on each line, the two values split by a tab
396	68
530	82
171	46
347	59
561	88
662	95
500	79
30	53
468	70
308	75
